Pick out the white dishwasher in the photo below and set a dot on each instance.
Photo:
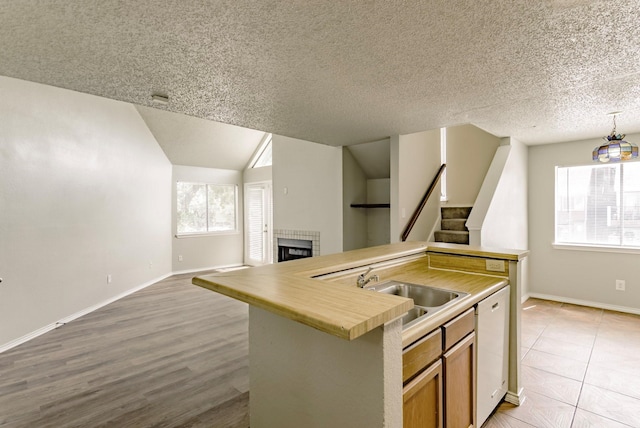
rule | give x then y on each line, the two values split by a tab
492	357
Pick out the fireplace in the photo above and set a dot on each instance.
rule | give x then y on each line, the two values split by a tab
283	237
297	251
291	249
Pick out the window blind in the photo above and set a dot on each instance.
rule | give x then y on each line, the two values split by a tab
598	205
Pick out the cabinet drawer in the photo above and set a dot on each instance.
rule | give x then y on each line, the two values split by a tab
458	328
420	354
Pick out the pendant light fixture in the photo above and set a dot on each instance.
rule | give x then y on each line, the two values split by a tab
615	149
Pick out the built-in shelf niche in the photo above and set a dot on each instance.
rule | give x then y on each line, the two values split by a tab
370	205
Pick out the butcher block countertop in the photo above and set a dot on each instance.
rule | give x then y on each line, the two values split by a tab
321	291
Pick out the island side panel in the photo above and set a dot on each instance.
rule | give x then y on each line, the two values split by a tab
515	393
301	377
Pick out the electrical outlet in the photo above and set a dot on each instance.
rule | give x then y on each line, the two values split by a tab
180	258
620	284
495	265
108	279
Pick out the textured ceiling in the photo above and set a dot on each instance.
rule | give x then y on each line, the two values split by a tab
344	72
195	142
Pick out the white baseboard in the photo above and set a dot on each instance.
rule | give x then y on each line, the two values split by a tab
515	398
28	337
63	321
579	302
183	272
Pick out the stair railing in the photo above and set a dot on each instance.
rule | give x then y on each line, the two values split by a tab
423	202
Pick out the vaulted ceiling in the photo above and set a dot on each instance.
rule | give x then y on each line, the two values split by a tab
193	141
344	72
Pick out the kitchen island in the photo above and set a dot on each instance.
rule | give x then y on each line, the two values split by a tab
323	352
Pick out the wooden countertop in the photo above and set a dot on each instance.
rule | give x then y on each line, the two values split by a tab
334	304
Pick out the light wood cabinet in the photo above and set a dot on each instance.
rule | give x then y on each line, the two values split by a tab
459	384
439	377
420	354
456	329
422	399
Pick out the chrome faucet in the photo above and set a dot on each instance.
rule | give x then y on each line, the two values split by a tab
363	280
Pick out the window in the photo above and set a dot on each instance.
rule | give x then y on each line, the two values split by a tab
598	205
262	156
206	208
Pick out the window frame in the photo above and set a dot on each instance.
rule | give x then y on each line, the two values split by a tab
234	231
587	246
267	141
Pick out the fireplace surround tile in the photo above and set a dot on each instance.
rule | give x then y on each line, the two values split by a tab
308	235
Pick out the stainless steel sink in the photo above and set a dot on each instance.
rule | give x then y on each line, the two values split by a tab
427	300
413	314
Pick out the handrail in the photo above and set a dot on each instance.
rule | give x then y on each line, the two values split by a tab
423	202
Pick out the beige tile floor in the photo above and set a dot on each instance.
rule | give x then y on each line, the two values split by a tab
580	369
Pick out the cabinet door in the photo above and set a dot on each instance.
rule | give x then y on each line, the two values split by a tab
422	399
459	386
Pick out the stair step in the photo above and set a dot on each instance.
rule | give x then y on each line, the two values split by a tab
455	212
454	224
452	236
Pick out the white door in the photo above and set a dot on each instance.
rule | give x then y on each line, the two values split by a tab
258	237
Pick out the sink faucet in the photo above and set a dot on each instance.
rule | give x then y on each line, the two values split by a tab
363	280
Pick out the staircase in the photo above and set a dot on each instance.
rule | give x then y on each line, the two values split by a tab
452	225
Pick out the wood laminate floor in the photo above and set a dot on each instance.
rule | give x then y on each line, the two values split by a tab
170	355
175	355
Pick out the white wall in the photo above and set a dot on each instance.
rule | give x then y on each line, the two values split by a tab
302	377
257	175
415	160
506	221
501	220
378	220
582	276
209	251
354	191
311	175
470	151
85	193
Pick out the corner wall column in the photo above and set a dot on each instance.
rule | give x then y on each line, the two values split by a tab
515	391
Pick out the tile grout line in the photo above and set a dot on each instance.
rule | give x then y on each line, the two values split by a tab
601	387
555	317
593	344
552	317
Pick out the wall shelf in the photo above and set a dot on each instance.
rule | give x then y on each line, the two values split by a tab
370	205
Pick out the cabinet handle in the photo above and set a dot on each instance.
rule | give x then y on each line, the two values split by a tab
495	306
